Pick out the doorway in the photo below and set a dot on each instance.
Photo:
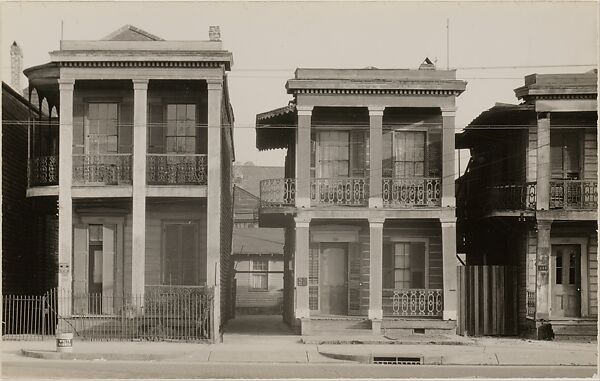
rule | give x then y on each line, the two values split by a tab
566	281
333	288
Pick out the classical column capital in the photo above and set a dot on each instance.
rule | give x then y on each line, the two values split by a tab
302	222
448	221
304	110
376	110
448	111
376	222
66	84
140	84
545	224
214	83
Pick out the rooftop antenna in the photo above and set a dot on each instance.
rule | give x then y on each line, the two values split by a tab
447	44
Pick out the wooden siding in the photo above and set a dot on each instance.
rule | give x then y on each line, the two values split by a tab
593	274
590	156
248	298
177	210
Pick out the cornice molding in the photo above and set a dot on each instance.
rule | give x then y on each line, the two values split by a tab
377	92
174	64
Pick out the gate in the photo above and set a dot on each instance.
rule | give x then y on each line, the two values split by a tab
487	298
28	317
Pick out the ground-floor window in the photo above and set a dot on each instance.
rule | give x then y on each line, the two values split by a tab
260	281
405	265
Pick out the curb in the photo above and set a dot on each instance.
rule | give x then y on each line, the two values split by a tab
52	355
387	342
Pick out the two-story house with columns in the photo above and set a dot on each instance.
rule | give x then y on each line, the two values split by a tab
140	163
367	201
529	200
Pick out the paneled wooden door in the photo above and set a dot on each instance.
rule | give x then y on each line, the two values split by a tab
334	278
566	281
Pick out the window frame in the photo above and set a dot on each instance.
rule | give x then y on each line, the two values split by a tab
177	136
396	132
263	275
87	125
410	240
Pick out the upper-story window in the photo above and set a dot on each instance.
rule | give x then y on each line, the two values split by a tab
102	133
180	132
412	153
339	153
565	154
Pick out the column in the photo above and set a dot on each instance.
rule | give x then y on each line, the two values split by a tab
138	239
303	156
449	268
376	273
375	156
543	161
65	202
542	266
213	230
448	153
302	309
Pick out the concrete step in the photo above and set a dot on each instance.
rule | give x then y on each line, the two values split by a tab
574	330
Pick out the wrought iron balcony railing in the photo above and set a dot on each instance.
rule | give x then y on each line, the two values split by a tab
512	197
413	302
574	194
42	171
411	191
176	169
341	191
102	169
277	192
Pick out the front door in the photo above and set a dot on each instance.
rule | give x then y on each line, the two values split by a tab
334	278
566	281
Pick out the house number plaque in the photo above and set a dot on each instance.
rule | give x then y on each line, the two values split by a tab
63	268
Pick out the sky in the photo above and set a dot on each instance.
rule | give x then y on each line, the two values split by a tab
270	39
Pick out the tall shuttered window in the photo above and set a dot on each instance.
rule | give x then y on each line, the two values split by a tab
565	154
180	256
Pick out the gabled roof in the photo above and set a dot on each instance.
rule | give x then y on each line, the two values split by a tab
131	33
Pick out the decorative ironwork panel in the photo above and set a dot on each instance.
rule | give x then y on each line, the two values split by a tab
102	169
176	169
43	171
512	197
413	302
574	194
277	192
411	191
343	191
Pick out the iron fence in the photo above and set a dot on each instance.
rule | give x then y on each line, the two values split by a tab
413	302
177	169
102	169
277	192
42	171
342	191
411	191
574	194
162	313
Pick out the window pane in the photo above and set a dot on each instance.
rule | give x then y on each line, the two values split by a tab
171	112
93	111
572	268
559	267
102	111
191	113
97	271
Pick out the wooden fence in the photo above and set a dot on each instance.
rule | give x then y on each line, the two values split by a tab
487	300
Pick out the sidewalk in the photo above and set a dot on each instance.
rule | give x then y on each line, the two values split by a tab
288	349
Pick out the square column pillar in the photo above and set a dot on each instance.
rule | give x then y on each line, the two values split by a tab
543	171
302	309
448	153
376	273
449	268
65	201
213	230
542	267
138	238
375	156
303	156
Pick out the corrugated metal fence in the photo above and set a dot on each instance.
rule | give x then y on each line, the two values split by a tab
487	300
163	313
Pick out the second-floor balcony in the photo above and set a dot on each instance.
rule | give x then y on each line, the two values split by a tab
102	169
574	194
354	191
177	169
512	196
42	171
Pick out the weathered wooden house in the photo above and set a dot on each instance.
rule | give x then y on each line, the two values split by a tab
367	200
140	163
528	200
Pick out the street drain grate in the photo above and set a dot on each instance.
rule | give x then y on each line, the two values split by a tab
395	360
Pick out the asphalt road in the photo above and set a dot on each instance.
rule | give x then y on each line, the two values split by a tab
120	369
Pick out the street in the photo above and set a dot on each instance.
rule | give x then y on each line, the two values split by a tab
31	368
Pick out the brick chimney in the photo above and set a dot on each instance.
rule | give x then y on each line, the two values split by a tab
16	66
214	33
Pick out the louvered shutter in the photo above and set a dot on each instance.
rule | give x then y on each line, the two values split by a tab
108	268
354	279
78	128
126	128
357	153
155	129
434	154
